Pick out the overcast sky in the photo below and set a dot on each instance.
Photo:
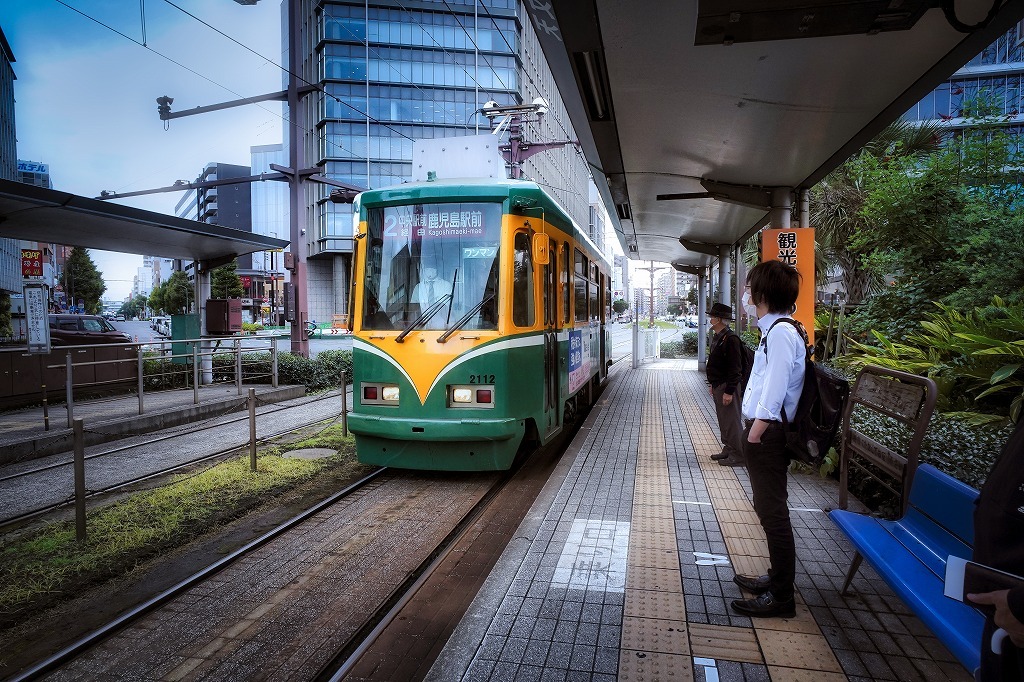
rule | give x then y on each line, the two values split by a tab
86	96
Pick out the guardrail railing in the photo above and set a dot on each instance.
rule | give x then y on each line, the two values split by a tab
199	359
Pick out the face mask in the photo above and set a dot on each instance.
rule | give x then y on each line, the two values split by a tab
748	305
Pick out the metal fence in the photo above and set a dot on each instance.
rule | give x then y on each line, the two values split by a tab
201	362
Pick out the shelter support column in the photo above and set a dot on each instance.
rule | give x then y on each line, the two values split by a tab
202	292
702	326
724	266
805	207
782	208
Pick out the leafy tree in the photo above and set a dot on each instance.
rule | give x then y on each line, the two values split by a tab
619	306
156	298
177	295
837	204
6	329
133	307
947	227
83	281
675	309
225	282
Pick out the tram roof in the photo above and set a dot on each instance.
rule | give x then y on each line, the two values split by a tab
718	101
46	215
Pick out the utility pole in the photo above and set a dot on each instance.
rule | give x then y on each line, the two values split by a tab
652	270
294	174
512	119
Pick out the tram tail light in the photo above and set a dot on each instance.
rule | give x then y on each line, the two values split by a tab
471	396
380	394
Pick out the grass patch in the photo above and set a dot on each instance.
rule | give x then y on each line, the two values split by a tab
49	565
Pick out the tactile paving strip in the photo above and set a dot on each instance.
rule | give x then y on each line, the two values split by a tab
724	642
784	642
654	643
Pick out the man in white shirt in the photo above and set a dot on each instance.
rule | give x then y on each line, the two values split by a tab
776	380
429	289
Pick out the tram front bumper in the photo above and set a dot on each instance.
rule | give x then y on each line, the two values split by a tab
382	426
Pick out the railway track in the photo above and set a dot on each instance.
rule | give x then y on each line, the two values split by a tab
312	599
61	471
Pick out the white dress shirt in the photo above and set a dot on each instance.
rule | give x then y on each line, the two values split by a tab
776	378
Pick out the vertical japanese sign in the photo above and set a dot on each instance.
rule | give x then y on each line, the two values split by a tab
37	317
795	246
31	263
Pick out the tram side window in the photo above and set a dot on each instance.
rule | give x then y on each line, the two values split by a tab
607	298
581	286
522	282
595	305
566	297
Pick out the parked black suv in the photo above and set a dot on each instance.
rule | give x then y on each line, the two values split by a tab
83	330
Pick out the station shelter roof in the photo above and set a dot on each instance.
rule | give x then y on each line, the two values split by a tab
690	113
46	215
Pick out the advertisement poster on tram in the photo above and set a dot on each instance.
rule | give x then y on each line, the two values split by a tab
795	246
579	359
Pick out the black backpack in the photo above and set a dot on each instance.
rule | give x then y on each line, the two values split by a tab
819	411
747	356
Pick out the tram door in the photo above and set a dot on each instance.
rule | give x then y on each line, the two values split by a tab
604	303
552	407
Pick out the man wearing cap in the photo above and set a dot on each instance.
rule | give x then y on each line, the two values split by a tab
724	371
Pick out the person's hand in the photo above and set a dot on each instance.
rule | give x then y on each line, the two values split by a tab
711	391
727	399
756	429
1004	618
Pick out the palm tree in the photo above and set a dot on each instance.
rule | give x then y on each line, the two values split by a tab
836	203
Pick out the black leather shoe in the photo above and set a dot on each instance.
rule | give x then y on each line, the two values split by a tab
720	455
765	606
758	585
732	462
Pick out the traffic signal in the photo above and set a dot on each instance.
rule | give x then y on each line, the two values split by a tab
164	106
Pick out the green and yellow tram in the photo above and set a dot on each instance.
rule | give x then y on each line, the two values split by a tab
479	318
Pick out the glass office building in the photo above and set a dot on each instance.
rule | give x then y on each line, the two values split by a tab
393	73
996	75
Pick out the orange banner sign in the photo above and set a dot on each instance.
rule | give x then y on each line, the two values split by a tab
795	246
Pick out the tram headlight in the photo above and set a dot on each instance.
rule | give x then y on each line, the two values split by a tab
389	393
462	395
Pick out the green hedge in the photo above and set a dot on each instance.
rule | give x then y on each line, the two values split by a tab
316	374
686	348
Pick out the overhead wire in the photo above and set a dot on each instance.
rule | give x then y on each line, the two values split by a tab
183	66
285	69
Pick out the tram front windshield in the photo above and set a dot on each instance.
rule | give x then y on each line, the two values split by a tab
430	265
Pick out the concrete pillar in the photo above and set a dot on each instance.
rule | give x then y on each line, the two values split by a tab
702	321
724	266
805	207
340	284
202	292
782	207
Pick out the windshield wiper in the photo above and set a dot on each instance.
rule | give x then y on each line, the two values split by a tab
464	319
431	310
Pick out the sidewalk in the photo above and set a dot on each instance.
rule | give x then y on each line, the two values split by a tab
623	567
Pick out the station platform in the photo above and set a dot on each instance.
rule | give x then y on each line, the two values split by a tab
623	567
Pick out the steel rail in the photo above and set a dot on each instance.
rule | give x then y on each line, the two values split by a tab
123	448
96	636
14	520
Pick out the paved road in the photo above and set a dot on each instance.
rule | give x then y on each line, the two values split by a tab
142	332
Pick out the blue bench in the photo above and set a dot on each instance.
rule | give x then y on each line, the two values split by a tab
910	555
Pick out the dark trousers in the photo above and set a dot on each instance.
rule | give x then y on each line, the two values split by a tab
730	422
1006	668
768	467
